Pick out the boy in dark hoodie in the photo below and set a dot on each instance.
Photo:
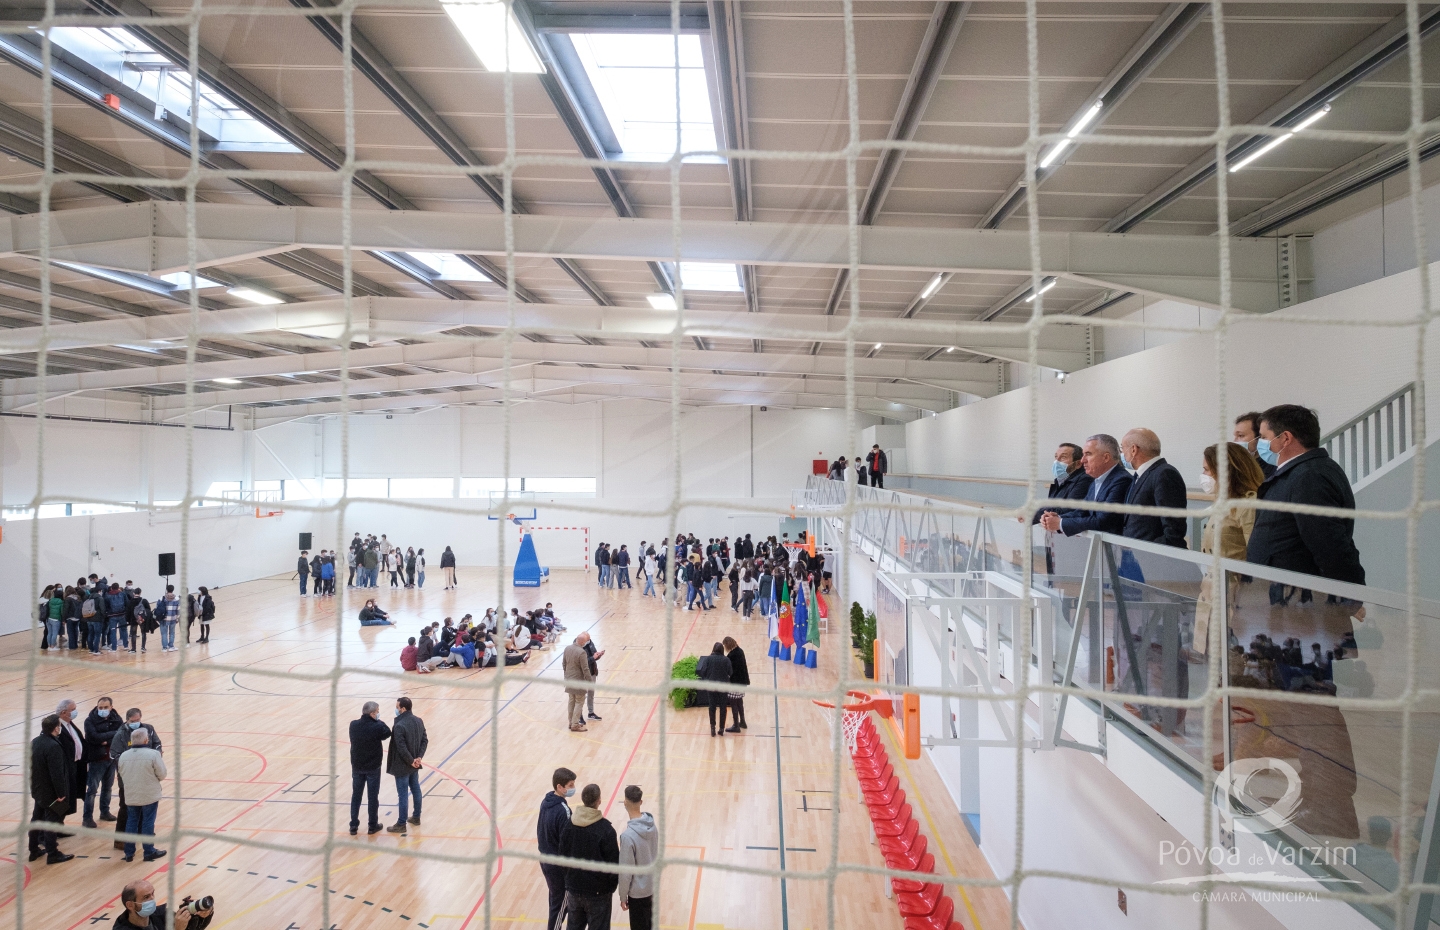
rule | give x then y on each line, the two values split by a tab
554	818
639	845
590	836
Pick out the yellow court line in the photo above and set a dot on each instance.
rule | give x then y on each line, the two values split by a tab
929	822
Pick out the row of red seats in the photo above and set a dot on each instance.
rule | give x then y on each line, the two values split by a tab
924	905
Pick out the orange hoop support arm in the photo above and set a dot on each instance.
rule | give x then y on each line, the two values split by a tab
881	704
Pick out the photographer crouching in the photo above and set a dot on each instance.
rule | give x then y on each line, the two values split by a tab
138	899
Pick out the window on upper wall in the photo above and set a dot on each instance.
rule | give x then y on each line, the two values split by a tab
484	487
359	487
217	489
135	64
90	510
419	488
635	79
561	485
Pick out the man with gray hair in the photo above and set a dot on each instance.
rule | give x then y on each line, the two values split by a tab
367	756
72	742
1110	485
142	769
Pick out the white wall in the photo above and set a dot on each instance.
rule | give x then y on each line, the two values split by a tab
1122	341
1175	390
1377	242
738	466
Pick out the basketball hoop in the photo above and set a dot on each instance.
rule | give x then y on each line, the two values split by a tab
854	714
262	514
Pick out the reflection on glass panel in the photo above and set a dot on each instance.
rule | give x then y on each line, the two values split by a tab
891	642
1320	645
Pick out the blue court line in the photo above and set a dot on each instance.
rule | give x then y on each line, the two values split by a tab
780	798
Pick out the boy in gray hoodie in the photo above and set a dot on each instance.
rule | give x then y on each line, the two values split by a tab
639	845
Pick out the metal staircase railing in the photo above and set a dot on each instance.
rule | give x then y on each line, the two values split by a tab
1375	438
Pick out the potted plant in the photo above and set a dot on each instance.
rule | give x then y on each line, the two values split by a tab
684	670
857	620
866	644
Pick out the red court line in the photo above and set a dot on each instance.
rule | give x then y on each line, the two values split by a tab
7	901
619	784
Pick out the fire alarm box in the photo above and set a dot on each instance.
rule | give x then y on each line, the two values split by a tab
819	467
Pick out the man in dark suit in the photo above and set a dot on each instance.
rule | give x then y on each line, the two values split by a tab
1110	484
1071	482
1157	484
878	465
1305	474
50	788
1247	431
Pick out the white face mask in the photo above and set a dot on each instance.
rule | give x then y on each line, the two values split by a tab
1207	484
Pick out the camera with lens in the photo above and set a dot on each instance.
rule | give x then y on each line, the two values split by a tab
206	903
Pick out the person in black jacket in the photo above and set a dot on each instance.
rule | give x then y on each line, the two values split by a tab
302	568
72	741
715	668
1157	484
50	788
100	727
1110	484
1247	431
554	818
590	836
1071	482
367	753
739	675
1305	474
206	604
408	743
447	565
878	465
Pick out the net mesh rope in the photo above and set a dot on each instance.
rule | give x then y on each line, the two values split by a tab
38	664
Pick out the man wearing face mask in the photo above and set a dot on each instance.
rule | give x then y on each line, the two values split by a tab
1110	484
100	727
554	818
1071	482
1157	484
1304	474
118	744
1247	431
142	911
367	751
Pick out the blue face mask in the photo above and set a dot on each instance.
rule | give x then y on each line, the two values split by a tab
1262	449
147	909
135	725
103	711
1060	470
570	792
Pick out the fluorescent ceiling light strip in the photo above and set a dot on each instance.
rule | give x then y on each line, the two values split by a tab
1054	152
254	296
932	287
1085	119
662	301
1305	123
1044	286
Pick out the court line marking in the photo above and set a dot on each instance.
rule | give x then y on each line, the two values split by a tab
780	797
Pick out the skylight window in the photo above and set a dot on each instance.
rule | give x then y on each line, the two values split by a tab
495	37
635	78
449	267
162	82
181	280
709	276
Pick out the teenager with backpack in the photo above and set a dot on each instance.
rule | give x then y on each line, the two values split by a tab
142	622
206	604
92	612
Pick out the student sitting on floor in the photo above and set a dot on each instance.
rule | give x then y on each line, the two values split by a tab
371	615
511	657
463	650
407	656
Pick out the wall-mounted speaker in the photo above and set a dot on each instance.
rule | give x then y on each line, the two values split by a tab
167	564
304	541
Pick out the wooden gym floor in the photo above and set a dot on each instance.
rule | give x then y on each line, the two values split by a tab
256	757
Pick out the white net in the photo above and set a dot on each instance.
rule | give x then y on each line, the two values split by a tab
191	213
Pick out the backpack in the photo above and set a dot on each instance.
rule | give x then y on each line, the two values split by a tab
87	608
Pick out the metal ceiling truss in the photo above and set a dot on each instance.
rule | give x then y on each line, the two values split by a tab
1164	35
939	40
387	79
150	238
1383	46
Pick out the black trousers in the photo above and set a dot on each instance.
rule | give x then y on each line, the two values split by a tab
720	700
555	883
589	912
44	840
640	911
358	783
877	480
737	708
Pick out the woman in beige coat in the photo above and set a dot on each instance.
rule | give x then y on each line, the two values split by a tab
1229	532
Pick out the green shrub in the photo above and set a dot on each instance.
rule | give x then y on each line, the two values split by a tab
865	638
857	621
684	670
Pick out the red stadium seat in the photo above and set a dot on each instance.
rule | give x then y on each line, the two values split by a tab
882	795
920	903
939	919
893	826
871	782
902	841
907	859
903	885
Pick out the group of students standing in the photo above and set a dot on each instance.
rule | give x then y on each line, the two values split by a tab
367	558
582	899
99	615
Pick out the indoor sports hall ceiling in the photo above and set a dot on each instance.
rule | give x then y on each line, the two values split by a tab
587	80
